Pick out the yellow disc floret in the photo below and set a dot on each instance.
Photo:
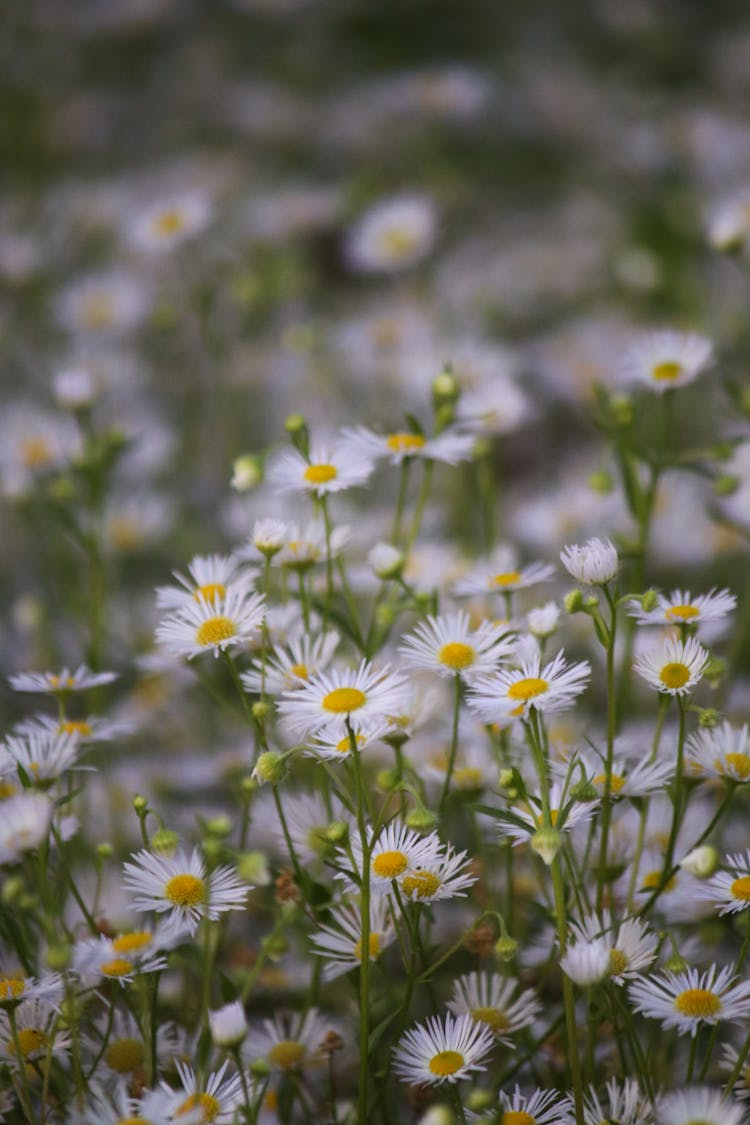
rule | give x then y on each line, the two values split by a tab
125	1055
456	655
343	700
423	884
493	1017
288	1054
206	1103
528	688
674	675
185	890
667	371
374	944
698	1003
681	612
509	578
388	865
320	474
740	889
215	630
446	1062
404	443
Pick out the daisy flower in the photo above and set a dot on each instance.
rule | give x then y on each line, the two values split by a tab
16	984
542	1107
290	1041
344	695
104	305
627	779
444	876
685	1000
447	645
304	547
98	959
631	946
586	962
330	743
394	234
542	621
217	1098
675	668
502	574
698	1104
38	1033
209	578
682	609
24	824
442	1050
565	813
125	1053
180	884
451	446
396	851
341	942
303	657
625	1103
117	1106
228	1024
729	890
328	469
269	536
722	751
42	755
169	222
511	693
308	819
594	564
212	625
58	683
489	999
667	359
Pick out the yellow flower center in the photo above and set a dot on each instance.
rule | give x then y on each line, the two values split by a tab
117	967
388	865
456	655
287	1054
446	1062
7	789
125	1055
528	688
169	222
11	988
344	745
423	884
30	1041
739	763
132	942
397	242
667	371
210	592
674	675
509	578
404	443
652	880
96	311
75	726
681	612
207	1103
493	1017
517	1117
618	962
299	670
185	890
36	452
616	782
342	700
699	1003
215	630
740	889
127	534
468	777
320	474
133	1121
374	945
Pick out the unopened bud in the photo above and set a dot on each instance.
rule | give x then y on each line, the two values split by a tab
220	826
104	850
275	946
260	711
601	482
228	1025
247	473
506	948
252	868
260	1069
573	602
480	1100
58	957
708	718
675	964
546	842
701	862
445	388
649	600
164	841
387	780
270	767
140	804
386	561
421	819
337	833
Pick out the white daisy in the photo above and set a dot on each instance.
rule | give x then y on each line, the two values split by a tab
58	683
542	1107
290	1041
394	234
729	890
682	609
501	573
586	962
17	984
39	1033
542	621
341	942
631	946
491	1000
304	547
667	359
210	577
42	755
594	564
721	751
510	693
627	779
97	959
169	222
125	1052
212	625
113	1107
397	851
216	1098
180	884
698	1104
228	1024
675	668
24	824
269	536
328	469
451	446
445	875
625	1103
442	1050
449	646
94	728
303	657
104	305
688	999
343	695
565	813
329	742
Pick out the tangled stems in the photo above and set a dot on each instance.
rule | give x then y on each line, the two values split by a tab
364	902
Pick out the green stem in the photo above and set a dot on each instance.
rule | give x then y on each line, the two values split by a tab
454	744
364	973
424	493
403	482
602	879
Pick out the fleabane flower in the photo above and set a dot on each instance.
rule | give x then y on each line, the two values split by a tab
688	999
510	693
169	222
181	885
626	1104
667	359
290	1042
396	852
58	683
209	578
442	1050
444	875
631	946
228	1024
698	1104
449	646
451	446
212	625
682	609
216	1099
502	573
330	468
24	824
340	943
675	668
729	889
722	751
541	1107
593	564
494	1001
39	1033
42	755
342	696
303	657
394	234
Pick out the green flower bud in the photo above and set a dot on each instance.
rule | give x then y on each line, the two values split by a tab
261	711
252	868
649	600
164	841
480	1100
573	602
601	482
140	804
421	819
546	842
58	957
220	826
336	833
270	767
676	964
506	948
260	1069
247	473
275	945
387	779
104	850
726	484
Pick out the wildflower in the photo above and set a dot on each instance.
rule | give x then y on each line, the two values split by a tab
394	234
687	999
729	889
17	984
104	305
675	668
698	1103
303	657
586	962
93	728
630	945
210	578
304	547
341	942
502	574
448	646
594	564
729	222
386	561
269	536
626	779
331	743
100	959
489	999
450	446
442	1050
169	222
564	812
542	620
682	609
228	1025
24	825
342	696
667	359
291	1042
511	693
445	875
329	469
180	884
542	1107
397	851
626	1103
125	1053
117	1106
59	683
721	751
217	1098
38	1033
42	755
212	625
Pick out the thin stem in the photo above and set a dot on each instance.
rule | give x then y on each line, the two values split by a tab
454	744
403	482
364	972
602	879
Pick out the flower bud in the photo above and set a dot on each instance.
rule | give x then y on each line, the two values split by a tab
164	841
260	1069
506	948
337	833
58	957
246	473
220	826
270	767
649	600
228	1025
386	561
252	868
546	842
260	711
701	862
421	819
573	602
